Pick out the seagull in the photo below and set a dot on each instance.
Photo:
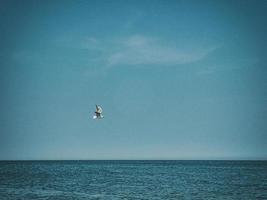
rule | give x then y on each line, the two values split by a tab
98	113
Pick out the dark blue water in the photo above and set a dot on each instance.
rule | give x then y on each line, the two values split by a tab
133	180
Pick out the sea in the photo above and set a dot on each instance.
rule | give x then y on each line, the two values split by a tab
128	179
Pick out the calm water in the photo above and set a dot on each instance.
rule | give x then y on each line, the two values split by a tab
133	180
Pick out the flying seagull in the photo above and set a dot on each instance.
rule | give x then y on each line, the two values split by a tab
98	113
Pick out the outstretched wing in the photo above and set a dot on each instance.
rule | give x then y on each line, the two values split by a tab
98	109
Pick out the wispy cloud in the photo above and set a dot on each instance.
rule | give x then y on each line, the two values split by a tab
140	50
143	50
90	43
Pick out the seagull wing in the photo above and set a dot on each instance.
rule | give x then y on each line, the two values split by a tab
98	109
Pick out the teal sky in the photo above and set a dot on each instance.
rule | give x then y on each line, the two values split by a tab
176	79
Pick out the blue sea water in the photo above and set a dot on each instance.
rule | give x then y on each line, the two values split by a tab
246	180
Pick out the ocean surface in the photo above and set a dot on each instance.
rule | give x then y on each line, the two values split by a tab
203	180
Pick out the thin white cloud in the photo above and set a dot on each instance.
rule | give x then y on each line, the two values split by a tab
138	49
90	43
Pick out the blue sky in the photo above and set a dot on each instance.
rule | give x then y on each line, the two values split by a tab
176	79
